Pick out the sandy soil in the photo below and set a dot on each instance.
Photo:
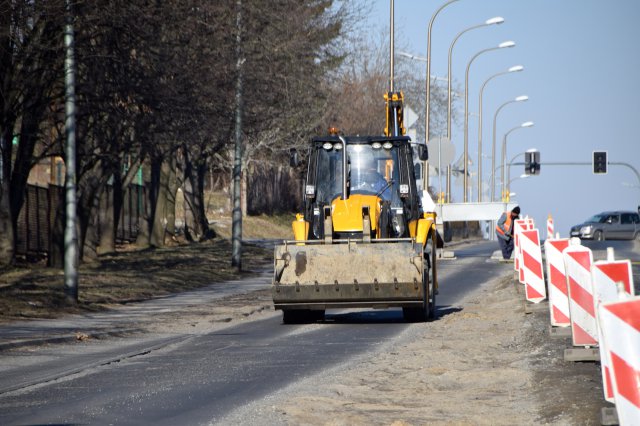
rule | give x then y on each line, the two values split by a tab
485	362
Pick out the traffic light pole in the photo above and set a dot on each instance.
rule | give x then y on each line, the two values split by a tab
570	163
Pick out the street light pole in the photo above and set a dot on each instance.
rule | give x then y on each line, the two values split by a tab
71	251
493	21
516	68
466	112
428	101
504	150
522	176
236	226
493	147
520	154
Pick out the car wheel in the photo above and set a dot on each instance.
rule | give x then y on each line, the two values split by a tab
598	236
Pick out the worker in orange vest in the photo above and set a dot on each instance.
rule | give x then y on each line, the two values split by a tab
504	231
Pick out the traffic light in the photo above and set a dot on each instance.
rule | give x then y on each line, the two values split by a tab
532	162
600	162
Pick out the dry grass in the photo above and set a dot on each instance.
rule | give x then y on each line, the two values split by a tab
33	291
258	226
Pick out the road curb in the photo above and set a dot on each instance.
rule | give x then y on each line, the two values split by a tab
78	336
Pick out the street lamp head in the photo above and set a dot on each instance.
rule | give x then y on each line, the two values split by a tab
522	98
494	21
527	124
506	44
524	176
515	68
411	56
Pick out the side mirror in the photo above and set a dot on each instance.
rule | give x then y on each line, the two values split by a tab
294	160
423	153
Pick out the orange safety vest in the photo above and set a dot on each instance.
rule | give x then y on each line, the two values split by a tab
507	224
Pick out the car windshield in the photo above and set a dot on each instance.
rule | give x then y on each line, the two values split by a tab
372	171
599	218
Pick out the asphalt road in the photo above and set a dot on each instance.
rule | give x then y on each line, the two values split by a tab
197	379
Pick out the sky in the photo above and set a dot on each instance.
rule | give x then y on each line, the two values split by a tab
582	76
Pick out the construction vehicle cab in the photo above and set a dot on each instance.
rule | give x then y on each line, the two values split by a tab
379	174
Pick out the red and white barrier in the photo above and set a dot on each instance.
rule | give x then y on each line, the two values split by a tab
532	266
605	276
577	264
558	294
620	322
549	228
519	226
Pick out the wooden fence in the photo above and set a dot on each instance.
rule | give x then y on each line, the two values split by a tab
37	216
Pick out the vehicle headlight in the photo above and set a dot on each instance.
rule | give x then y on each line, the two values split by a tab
585	229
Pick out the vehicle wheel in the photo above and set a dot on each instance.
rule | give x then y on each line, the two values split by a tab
296	316
317	315
432	284
415	314
423	313
432	302
598	236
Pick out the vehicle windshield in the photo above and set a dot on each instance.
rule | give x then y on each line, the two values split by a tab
599	218
372	171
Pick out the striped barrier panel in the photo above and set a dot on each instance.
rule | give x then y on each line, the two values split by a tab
549	228
519	226
532	266
577	265
620	322
558	295
605	275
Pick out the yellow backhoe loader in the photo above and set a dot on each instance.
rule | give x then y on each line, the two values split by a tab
363	239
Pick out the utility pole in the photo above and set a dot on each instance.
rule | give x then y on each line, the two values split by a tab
70	230
236	239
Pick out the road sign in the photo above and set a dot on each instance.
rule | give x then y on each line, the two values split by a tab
441	150
410	117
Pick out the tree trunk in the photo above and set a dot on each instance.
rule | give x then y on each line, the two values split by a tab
160	217
243	191
146	218
90	189
172	191
7	224
56	240
7	240
107	220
